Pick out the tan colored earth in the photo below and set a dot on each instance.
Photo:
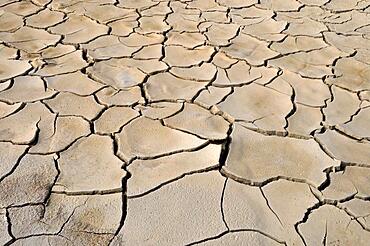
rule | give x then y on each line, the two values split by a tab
185	122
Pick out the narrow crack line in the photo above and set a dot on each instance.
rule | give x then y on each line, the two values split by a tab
278	74
143	91
52	234
226	96
168	182
96	117
9	227
292	111
343	200
269	206
263	183
208	239
163	122
209	83
343	133
175	113
324	240
323	148
21	106
201	146
220	235
89	193
92	232
124	191
10	86
47	197
16	164
275	133
63	149
222	205
352	216
260	232
305	218
123	126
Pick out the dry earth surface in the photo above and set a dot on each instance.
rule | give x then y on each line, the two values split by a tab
210	122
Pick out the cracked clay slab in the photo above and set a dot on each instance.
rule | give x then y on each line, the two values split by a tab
256	158
200	196
93	168
191	122
145	135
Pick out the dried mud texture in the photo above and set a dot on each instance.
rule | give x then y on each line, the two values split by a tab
185	122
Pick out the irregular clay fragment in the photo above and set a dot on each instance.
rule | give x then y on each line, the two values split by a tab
76	83
252	215
212	96
12	68
291	207
313	64
181	57
160	110
343	105
65	64
166	86
268	30
118	77
143	138
359	125
204	123
106	47
8	109
9	22
68	104
344	148
124	97
67	130
85	219
79	29
333	226
351	74
150	174
252	50
101	172
9	155
30	39
360	209
124	73
4	235
26	89
187	39
22	127
108	13
45	19
256	158
265	106
57	51
204	72
197	202
311	92
113	119
304	121
30	182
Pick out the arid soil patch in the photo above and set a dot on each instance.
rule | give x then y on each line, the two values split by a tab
210	122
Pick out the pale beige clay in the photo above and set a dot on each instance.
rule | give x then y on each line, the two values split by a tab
197	122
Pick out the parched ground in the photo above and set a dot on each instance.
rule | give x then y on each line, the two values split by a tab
210	122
